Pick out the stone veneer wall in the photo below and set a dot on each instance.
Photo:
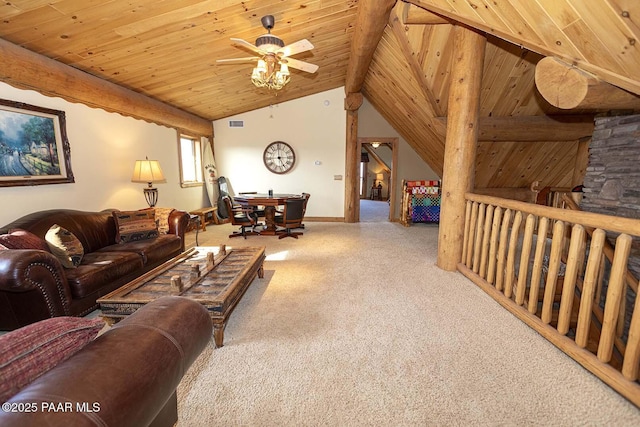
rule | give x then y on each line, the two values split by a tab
612	180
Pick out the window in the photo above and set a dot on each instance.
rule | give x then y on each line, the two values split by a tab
190	161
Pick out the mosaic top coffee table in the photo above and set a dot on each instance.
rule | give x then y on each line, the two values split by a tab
215	277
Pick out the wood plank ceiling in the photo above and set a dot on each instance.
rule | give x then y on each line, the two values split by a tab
168	51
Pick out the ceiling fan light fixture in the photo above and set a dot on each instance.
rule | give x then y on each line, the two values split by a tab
272	71
265	74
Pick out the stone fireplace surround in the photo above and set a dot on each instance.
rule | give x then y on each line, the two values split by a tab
612	179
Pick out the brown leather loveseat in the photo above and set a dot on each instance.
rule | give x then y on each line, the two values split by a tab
34	285
126	377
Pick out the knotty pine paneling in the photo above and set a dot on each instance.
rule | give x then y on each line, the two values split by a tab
168	50
518	164
598	36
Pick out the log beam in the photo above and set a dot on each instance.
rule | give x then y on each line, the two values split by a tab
475	21
582	161
25	69
353	101
352	176
376	158
414	15
532	128
416	68
461	143
568	87
371	20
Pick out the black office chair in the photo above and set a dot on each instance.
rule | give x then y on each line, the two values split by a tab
306	197
259	210
244	217
291	218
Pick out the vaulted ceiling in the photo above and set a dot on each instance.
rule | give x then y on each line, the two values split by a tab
167	50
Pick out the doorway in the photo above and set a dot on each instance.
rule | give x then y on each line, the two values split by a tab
378	178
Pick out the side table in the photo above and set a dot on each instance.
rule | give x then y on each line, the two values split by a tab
207	214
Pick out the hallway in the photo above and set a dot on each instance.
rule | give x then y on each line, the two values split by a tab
374	211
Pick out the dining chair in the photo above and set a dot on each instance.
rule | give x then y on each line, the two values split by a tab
259	210
306	197
291	218
242	216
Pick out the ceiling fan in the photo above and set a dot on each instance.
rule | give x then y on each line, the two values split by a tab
273	57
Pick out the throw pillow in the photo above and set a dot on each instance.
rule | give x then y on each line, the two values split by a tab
132	226
65	246
23	239
162	219
32	350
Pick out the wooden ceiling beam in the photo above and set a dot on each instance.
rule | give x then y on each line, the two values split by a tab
412	60
627	83
371	20
533	128
568	87
369	149
25	69
414	15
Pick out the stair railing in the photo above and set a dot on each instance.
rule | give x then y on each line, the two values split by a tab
541	264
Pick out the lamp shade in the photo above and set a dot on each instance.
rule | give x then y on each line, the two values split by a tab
147	171
379	177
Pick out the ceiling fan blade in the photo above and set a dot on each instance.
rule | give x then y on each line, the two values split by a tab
246	59
294	48
248	45
300	65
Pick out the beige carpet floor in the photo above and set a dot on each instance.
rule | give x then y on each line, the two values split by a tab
353	325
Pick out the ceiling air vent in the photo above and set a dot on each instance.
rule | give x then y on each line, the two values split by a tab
236	123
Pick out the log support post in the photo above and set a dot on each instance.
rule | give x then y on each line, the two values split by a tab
582	161
352	103
371	21
461	143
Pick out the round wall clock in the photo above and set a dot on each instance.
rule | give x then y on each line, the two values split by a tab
279	157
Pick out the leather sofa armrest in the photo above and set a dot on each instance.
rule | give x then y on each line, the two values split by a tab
178	223
126	376
36	276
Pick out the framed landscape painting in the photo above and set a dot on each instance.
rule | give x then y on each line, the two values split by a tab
34	148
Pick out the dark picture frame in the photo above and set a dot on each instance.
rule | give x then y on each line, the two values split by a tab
34	149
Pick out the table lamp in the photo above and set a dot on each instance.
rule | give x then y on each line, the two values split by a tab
379	177
148	171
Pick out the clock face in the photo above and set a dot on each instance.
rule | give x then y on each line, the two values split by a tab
279	157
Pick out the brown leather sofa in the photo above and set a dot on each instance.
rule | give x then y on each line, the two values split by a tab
126	377
34	285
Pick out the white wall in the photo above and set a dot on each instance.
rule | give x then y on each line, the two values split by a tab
314	126
410	165
104	147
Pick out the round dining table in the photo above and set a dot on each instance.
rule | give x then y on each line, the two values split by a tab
270	203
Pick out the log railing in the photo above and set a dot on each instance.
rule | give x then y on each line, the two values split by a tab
548	267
